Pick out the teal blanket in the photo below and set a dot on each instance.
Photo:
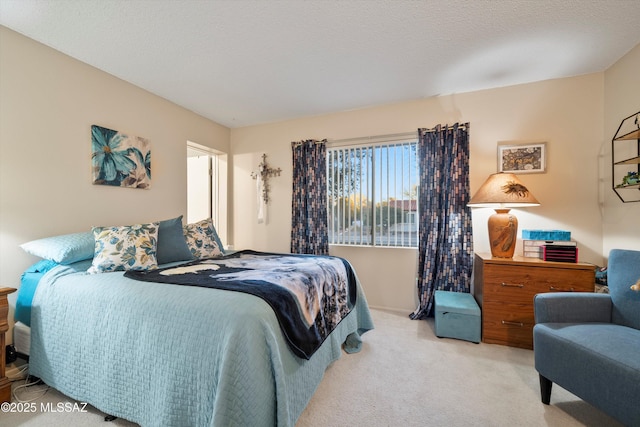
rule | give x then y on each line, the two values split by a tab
167	355
309	294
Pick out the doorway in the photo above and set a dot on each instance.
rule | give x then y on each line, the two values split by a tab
206	196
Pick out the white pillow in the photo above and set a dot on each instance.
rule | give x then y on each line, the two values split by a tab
131	247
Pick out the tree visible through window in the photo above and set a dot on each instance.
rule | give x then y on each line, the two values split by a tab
373	194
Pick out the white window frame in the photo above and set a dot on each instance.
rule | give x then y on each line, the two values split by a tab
354	217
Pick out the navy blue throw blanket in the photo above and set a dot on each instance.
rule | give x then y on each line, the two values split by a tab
309	294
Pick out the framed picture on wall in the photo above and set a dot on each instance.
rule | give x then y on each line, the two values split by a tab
522	158
120	160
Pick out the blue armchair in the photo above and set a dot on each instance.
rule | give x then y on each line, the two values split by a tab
589	344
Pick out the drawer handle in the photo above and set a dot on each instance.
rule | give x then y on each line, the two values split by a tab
504	322
512	285
553	288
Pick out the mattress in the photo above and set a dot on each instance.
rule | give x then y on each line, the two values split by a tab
22	338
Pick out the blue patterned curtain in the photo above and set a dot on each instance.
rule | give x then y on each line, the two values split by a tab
309	233
445	241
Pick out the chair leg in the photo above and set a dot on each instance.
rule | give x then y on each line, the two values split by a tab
545	389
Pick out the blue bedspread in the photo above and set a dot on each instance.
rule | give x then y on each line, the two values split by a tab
166	355
309	294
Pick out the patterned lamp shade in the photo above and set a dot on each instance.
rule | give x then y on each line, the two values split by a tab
502	191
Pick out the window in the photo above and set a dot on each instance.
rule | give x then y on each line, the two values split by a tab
373	194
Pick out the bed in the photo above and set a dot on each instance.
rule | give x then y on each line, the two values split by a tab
164	354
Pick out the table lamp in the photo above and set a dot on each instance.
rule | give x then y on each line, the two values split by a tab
502	191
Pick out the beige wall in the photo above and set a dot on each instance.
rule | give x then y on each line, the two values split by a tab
48	102
567	114
621	224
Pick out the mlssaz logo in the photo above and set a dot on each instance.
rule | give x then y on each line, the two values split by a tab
63	407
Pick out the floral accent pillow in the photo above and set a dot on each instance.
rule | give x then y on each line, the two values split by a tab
131	247
202	239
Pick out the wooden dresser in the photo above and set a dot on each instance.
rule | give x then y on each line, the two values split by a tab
5	384
504	288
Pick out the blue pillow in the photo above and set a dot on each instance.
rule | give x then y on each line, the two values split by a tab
172	245
63	249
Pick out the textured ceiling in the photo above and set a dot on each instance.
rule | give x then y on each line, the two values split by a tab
254	61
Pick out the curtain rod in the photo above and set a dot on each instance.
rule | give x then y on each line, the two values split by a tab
315	141
378	138
394	135
433	129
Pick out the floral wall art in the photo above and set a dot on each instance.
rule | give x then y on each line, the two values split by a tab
120	160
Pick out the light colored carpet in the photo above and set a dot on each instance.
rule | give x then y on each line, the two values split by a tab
406	376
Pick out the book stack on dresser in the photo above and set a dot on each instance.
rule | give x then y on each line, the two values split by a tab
549	245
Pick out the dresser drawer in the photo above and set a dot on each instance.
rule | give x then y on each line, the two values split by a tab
517	292
520	285
547	279
508	323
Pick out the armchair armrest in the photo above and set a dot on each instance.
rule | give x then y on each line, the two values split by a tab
572	307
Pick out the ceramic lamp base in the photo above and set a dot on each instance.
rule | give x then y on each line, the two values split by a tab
503	228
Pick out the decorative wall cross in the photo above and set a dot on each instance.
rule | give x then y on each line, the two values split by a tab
265	172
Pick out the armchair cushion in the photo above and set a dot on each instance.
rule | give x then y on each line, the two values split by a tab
620	346
598	362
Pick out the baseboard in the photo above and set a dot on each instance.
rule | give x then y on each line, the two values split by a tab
391	309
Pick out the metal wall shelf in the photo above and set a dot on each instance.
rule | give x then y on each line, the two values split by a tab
626	140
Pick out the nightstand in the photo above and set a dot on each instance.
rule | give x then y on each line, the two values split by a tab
504	288
5	384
